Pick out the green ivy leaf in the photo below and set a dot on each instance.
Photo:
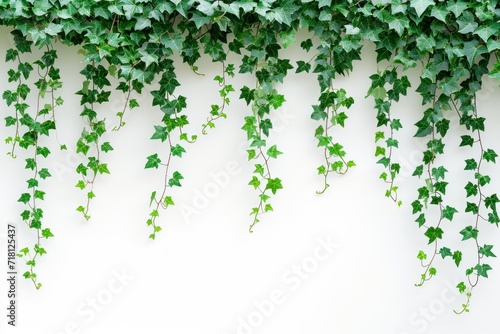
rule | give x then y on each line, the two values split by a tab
457	7
482	269
470	164
419	170
25	198
471	189
420	220
44	173
168	201
153	161
103	169
318	113
434	233
490	155
448	212
161	133
106	147
39	194
445	251
469	233
457	257
417	206
255	182
472	207
177	150
274	185
486	251
302	66
273	152
421	5
46	233
467	141
175	179
265	125
491	201
421	255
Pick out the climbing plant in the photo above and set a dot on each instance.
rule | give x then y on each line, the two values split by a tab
453	45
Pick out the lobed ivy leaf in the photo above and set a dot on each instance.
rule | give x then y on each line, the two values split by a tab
273	152
421	255
467	141
448	212
490	155
491	201
274	184
486	251
153	161
469	233
255	182
421	5
482	269
177	150
434	233
445	252
302	66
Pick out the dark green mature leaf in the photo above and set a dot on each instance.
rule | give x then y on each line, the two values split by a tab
469	233
424	128
471	189
153	161
302	66
457	257
490	155
420	220
445	252
417	206
448	212
467	141
434	233
25	198
247	94
482	179
491	201
419	170
472	207
470	164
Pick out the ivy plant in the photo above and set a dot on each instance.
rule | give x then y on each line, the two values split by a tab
453	45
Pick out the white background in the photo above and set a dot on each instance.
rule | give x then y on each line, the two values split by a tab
205	273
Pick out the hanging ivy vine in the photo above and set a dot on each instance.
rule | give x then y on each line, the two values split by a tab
454	43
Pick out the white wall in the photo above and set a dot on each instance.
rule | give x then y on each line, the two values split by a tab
205	273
